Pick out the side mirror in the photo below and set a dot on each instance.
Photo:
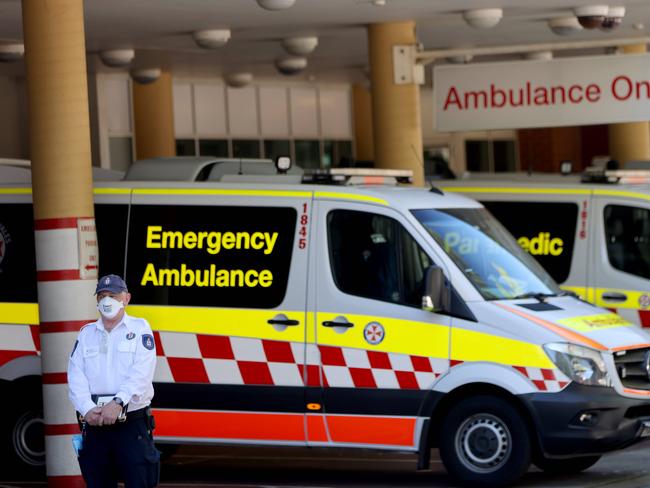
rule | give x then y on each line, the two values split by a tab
436	296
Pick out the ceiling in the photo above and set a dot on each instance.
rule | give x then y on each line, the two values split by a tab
160	30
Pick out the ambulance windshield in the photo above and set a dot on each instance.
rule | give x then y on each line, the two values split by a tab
486	253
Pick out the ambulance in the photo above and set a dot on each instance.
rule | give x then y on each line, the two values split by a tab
353	316
591	232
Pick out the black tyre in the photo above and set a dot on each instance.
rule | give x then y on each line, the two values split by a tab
565	466
485	442
22	431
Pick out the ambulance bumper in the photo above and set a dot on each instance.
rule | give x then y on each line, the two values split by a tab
583	420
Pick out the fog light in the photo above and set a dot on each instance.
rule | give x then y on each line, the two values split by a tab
588	419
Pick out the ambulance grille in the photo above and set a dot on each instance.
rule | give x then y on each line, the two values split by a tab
632	367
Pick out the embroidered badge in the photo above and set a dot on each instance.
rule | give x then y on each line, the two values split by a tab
147	341
130	335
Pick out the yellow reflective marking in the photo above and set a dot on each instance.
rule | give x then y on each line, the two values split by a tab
349	196
401	336
15	191
19	313
595	296
221	192
112	191
469	345
590	323
220	321
485	189
625	194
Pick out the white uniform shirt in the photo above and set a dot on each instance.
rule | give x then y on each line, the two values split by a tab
120	362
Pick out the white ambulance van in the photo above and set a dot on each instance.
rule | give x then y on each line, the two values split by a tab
591	233
372	317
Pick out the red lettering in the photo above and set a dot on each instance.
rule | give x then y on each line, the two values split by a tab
592	93
494	93
477	99
639	85
558	90
572	97
621	82
453	99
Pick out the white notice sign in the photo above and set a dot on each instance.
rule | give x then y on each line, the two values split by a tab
88	250
561	92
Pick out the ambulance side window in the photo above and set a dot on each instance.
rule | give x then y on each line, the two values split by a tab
373	256
627	234
17	253
111	237
545	230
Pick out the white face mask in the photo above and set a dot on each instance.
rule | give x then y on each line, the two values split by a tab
109	307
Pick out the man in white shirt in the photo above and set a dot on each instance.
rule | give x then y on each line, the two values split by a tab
110	376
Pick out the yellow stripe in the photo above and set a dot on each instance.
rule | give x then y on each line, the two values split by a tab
220	321
548	191
469	345
595	296
349	196
209	191
15	191
19	313
401	336
112	191
483	189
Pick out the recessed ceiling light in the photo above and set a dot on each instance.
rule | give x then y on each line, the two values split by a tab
117	58
613	18
238	80
276	4
146	76
291	65
564	26
483	18
11	52
211	38
591	16
299	46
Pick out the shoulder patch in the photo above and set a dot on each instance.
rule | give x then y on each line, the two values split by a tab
74	348
148	342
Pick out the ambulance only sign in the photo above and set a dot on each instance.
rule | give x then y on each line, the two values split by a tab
561	92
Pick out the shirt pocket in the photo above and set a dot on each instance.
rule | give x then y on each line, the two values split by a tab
91	361
126	352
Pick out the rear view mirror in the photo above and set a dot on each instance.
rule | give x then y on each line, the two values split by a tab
436	296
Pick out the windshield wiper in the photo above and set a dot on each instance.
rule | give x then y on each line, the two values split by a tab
536	295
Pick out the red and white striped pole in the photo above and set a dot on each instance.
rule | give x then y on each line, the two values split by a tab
66	247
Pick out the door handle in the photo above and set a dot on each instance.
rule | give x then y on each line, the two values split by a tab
335	323
280	322
613	296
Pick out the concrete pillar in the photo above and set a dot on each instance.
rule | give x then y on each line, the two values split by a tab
362	109
154	118
57	90
395	108
630	141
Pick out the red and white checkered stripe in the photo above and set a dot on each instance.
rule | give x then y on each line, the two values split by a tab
248	361
17	341
551	380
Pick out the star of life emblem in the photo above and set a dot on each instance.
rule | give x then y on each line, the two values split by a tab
374	333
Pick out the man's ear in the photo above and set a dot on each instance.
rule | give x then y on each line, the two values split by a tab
127	298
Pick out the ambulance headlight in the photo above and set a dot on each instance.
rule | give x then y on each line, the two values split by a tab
580	364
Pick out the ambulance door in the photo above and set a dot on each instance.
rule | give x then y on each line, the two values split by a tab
379	353
221	276
621	257
552	228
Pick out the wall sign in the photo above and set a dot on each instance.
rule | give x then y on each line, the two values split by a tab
523	94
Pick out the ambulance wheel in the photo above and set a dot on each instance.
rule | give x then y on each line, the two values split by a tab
23	433
565	466
485	442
